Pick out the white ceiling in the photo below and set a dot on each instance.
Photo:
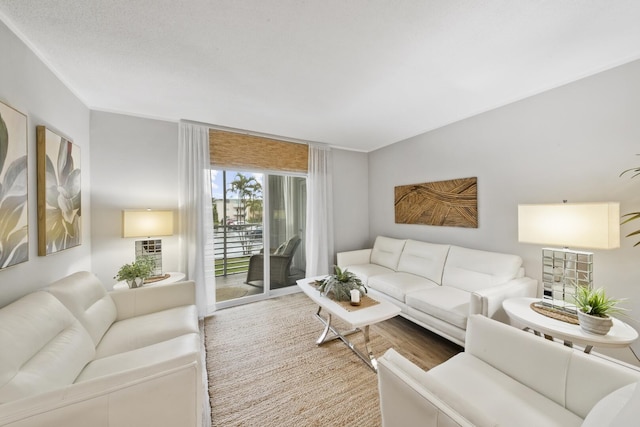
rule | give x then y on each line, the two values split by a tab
358	74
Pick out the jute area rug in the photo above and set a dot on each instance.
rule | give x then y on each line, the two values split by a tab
265	369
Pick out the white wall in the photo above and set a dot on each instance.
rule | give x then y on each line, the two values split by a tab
350	200
27	85
135	166
568	143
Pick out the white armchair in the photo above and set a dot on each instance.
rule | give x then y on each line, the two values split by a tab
508	377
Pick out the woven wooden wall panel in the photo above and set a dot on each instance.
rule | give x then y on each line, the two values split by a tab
229	149
452	203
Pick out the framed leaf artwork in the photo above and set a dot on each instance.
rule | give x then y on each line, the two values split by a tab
452	203
14	235
59	192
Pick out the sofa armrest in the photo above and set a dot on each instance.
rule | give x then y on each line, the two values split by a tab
361	256
139	301
166	398
488	301
406	399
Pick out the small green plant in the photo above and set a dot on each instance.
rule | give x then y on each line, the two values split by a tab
595	302
341	284
142	267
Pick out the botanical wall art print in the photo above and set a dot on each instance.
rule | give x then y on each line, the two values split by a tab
59	195
452	203
14	235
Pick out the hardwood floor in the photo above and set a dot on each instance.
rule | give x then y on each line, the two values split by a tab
419	345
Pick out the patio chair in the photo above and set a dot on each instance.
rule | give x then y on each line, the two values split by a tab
280	265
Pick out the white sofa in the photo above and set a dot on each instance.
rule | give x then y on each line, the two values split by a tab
508	377
438	286
75	355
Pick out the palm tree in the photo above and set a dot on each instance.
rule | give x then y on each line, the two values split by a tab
249	191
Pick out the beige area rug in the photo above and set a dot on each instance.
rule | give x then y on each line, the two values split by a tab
231	292
266	370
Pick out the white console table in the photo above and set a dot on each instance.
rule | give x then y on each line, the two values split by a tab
173	277
520	313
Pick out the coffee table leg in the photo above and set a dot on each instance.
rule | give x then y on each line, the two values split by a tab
327	326
372	359
369	358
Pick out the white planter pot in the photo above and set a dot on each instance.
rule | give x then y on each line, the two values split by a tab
135	283
595	324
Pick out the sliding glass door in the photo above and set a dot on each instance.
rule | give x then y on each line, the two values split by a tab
259	222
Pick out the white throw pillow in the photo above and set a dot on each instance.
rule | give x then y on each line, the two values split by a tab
607	411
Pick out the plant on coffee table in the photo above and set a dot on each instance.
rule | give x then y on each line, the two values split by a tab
341	284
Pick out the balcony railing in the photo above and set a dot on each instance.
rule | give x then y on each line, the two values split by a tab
234	245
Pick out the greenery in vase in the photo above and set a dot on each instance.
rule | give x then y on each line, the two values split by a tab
595	302
632	216
341	284
142	267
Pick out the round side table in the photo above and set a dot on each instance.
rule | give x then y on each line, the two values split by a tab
173	277
520	312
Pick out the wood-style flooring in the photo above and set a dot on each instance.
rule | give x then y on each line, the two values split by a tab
420	345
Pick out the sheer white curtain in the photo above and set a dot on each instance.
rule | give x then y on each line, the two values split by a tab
319	212
196	217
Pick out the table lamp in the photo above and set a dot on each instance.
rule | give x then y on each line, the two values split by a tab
148	223
582	225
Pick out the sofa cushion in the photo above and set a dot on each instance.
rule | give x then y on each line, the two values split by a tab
365	271
83	294
386	252
398	285
510	402
423	259
444	302
154	358
141	331
473	270
42	346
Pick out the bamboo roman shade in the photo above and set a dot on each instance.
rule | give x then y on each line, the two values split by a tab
230	149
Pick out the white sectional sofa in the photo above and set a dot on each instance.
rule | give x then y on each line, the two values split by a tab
439	286
508	377
74	355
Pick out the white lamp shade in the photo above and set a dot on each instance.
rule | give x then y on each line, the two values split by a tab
147	223
582	225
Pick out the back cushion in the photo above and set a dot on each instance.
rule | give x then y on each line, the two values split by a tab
42	347
83	294
386	252
536	363
423	259
472	270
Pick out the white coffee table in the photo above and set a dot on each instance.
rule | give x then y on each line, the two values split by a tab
520	312
358	320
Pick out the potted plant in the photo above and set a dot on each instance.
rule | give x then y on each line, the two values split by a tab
341	284
594	309
632	216
135	273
